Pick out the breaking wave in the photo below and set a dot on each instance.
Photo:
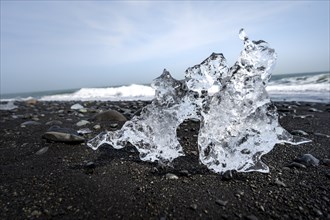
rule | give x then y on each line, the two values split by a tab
311	87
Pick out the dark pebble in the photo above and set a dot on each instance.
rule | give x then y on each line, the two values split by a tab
250	217
326	162
42	151
279	183
286	110
67	135
55	122
184	173
28	123
90	165
193	206
228	175
308	160
296	165
327	174
110	115
221	202
314	110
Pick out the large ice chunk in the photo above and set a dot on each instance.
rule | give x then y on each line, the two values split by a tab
239	124
153	132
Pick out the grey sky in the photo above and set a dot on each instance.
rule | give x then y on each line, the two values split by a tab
50	45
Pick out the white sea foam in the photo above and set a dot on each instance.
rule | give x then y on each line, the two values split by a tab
304	87
312	88
131	92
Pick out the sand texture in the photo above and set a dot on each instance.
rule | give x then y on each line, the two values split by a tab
45	179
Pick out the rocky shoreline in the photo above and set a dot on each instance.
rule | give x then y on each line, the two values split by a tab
47	172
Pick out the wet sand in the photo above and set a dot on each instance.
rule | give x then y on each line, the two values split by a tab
54	180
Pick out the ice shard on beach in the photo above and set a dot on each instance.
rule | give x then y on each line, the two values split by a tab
238	123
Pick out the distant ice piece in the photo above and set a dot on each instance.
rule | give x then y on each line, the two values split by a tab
239	124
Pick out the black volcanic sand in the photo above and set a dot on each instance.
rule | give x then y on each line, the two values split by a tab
72	181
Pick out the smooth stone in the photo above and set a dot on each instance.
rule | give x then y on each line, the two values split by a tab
314	110
110	115
193	206
83	110
193	152
55	122
286	110
42	151
327	174
299	132
90	165
279	183
286	168
308	160
77	106
251	217
97	127
297	165
82	123
326	162
171	176
59	134
28	123
228	175
239	193
36	213
184	173
221	202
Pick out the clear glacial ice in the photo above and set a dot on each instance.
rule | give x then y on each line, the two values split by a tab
238	123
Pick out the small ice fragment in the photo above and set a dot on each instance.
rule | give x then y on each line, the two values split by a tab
171	176
84	131
82	123
77	106
239	124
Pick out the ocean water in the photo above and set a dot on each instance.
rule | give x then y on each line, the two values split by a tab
308	87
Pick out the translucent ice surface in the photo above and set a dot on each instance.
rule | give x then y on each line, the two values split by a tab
239	124
153	133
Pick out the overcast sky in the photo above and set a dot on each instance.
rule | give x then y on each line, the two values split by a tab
50	45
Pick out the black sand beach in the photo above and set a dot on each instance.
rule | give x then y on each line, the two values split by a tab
43	179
